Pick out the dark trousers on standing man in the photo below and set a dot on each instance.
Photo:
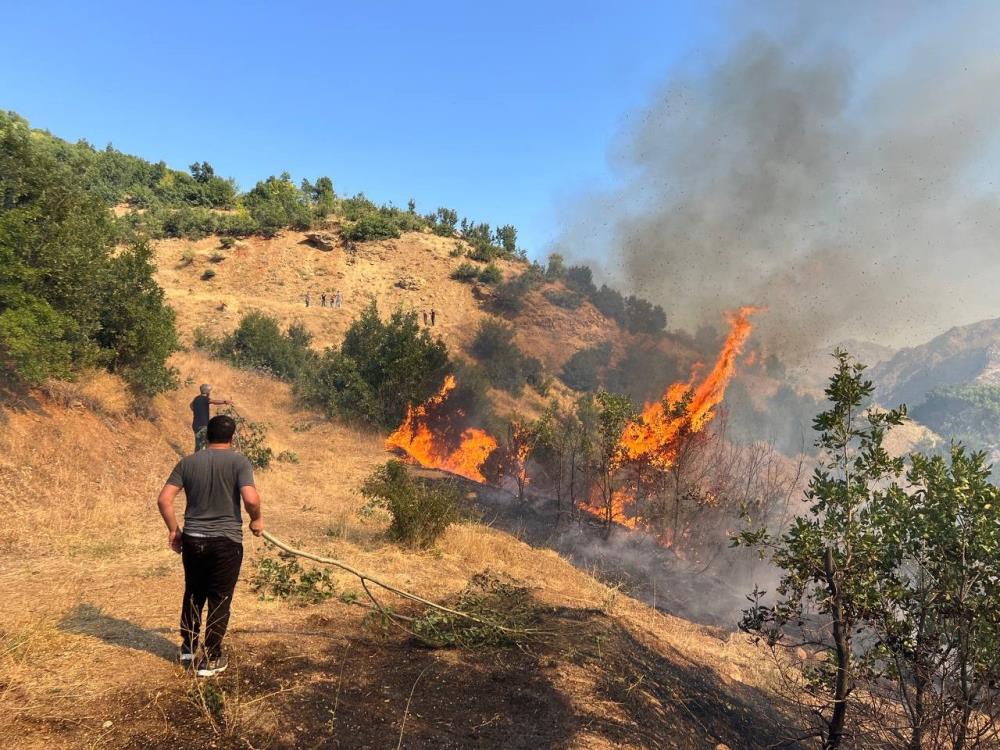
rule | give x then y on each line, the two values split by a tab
211	569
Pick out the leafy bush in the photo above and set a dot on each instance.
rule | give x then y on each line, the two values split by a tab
444	222
503	611
67	300
285	579
374	226
227	242
504	363
465	272
565	298
581	371
381	368
250	440
208	274
421	510
556	268
510	296
580	278
275	203
491	274
334	384
258	343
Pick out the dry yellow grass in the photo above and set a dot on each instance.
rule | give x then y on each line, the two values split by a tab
91	591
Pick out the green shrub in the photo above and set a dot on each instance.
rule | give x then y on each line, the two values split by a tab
381	368
286	579
456	252
504	363
275	203
421	510
208	274
250	440
288	457
510	296
227	243
68	298
258	343
504	612
582	371
465	272
334	384
569	299
491	275
216	257
374	226
556	268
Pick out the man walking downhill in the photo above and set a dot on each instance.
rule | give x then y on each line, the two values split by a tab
201	413
211	541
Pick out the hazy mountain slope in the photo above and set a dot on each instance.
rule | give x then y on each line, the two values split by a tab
961	355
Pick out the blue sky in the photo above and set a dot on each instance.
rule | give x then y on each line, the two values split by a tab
502	111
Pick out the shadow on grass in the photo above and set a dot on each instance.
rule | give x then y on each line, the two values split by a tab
587	680
86	619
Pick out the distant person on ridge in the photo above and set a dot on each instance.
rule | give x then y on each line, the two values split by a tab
338	300
425	317
307	299
322	300
201	413
211	541
433	315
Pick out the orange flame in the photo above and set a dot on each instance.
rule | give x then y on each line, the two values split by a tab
654	435
423	446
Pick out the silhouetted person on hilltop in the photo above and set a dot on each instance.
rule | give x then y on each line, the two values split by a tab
338	300
425	317
307	299
322	300
433	315
211	542
201	411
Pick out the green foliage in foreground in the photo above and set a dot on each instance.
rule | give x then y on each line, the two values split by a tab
892	571
503	610
286	579
251	440
68	300
420	510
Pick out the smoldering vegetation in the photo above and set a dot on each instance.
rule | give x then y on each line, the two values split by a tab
836	166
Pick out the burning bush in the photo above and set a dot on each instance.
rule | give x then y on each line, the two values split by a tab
421	510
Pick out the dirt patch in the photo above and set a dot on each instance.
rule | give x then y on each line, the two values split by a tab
585	681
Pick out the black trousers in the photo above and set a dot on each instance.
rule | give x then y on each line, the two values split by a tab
211	569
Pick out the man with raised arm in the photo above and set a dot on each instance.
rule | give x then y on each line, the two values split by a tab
211	541
201	412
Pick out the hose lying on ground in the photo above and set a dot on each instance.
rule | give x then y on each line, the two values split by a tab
364	577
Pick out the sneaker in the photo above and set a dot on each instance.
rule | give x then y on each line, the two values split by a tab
209	667
185	659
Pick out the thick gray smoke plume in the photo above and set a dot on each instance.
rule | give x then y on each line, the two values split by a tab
840	170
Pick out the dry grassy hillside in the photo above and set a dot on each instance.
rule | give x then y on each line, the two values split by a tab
91	598
91	592
274	275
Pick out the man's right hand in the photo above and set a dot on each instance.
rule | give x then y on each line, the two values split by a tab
257	526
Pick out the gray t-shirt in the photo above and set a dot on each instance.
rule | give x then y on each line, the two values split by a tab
212	479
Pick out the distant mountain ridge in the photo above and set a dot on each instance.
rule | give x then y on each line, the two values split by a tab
963	355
